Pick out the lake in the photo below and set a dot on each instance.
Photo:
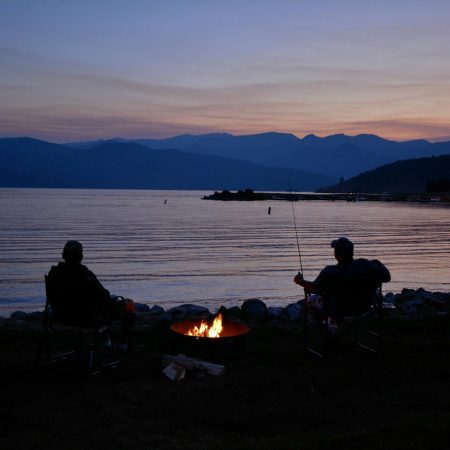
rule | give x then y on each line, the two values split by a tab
172	247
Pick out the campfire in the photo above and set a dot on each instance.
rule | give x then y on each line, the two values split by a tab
210	329
217	338
205	330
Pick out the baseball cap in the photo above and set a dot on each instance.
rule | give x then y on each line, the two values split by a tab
72	248
343	244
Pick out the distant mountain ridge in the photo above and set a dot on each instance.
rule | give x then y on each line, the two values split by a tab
337	155
26	162
266	161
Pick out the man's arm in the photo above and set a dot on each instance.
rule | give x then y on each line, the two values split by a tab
380	271
308	285
96	289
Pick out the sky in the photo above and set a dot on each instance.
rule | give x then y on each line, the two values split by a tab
91	69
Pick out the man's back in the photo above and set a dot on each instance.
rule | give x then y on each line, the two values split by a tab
349	287
373	270
75	292
351	282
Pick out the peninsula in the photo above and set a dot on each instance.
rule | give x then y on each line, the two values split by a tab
250	195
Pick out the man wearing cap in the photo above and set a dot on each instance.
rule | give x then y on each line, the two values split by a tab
346	266
79	298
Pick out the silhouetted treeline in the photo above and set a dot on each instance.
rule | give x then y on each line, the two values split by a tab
410	176
438	186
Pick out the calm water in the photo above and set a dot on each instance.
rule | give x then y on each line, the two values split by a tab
210	253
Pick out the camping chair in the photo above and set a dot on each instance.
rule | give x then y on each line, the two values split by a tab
63	337
349	304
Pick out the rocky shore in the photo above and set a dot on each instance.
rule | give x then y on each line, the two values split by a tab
409	303
276	396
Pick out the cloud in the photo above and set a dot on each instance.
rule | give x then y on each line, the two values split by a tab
64	102
398	128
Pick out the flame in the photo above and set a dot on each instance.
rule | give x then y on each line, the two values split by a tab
204	330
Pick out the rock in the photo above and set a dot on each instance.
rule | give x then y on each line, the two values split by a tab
421	301
235	311
255	309
441	300
141	307
19	315
183	311
164	317
35	316
156	310
223	310
275	312
293	312
412	306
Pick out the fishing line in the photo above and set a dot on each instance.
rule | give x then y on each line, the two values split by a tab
296	237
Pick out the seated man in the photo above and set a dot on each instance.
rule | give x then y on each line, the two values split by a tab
78	298
374	271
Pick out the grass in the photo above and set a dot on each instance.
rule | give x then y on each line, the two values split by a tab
277	397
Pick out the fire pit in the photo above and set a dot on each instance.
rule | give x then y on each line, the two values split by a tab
214	340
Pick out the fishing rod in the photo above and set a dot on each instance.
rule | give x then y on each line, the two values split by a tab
296	234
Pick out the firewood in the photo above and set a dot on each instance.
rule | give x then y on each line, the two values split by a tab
193	363
174	372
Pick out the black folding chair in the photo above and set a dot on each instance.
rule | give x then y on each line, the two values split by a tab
350	304
63	336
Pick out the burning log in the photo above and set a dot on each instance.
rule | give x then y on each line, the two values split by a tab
205	330
213	340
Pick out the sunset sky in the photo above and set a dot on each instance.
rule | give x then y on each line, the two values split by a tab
88	69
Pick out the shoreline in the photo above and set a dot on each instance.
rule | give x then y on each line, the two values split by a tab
349	400
409	303
250	195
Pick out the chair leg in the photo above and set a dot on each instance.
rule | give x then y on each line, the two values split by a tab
85	343
370	333
41	342
360	333
98	355
322	331
39	350
91	349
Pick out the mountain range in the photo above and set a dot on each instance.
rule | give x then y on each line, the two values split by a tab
267	161
337	155
26	162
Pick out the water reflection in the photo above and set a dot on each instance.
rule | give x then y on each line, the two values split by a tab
193	251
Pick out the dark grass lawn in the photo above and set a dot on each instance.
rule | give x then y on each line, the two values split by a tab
277	397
